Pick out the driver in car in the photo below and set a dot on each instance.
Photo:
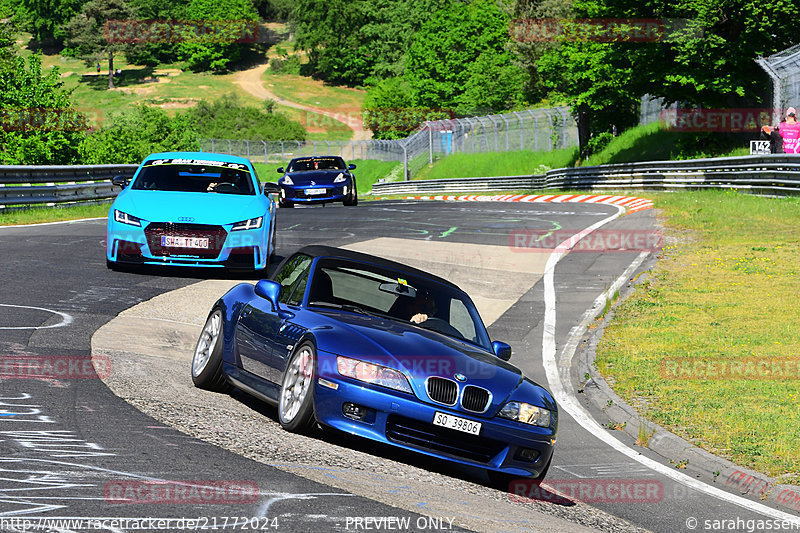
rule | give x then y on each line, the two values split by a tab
422	307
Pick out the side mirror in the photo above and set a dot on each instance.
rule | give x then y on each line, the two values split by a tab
269	290
120	181
502	350
351	166
271	188
280	170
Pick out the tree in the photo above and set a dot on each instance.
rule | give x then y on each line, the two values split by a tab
211	46
359	43
460	59
88	34
39	124
47	19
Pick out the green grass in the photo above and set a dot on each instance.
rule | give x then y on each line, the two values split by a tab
461	165
724	290
37	215
652	142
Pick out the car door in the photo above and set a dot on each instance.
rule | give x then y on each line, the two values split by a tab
259	324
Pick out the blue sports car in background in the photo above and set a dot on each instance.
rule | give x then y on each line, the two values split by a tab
381	350
314	180
192	209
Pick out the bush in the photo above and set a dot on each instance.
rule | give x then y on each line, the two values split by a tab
228	118
134	134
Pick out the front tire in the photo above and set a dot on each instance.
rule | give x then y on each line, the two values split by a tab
352	198
207	361
296	402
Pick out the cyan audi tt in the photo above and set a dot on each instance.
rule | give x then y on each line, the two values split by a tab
194	209
383	351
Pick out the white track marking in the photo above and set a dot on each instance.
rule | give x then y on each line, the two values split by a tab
66	319
53	223
562	390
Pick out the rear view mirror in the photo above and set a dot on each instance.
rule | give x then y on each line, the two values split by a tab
120	181
502	350
270	291
271	188
351	166
280	170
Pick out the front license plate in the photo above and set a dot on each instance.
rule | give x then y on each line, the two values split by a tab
454	422
315	192
174	241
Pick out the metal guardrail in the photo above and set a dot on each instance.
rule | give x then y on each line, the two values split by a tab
22	185
766	174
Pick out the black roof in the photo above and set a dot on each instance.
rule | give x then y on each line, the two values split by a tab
320	250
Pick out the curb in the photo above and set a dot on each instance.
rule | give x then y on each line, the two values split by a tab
632	204
705	466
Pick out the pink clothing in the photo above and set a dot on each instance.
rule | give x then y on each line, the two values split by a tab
791	137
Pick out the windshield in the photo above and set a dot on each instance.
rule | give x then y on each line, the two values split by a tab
316	163
374	290
195	176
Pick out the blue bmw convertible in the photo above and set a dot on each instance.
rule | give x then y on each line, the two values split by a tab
380	350
192	209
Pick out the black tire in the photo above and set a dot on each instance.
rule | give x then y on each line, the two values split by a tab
352	198
503	481
296	405
207	361
111	265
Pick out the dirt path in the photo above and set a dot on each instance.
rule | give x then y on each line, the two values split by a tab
250	81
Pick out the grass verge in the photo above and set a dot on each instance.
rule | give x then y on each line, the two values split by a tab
708	345
461	165
36	215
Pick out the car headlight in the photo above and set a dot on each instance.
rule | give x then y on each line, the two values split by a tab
125	218
340	178
250	223
371	373
526	413
287	180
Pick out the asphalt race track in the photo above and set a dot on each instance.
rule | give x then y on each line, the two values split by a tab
69	445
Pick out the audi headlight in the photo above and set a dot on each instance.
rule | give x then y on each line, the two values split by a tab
340	178
526	413
250	223
287	180
125	218
371	373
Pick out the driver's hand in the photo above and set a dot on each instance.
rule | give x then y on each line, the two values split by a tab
419	318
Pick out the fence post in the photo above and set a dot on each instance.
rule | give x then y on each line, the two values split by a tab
212	145
521	132
430	142
247	143
507	130
230	149
283	157
265	151
405	162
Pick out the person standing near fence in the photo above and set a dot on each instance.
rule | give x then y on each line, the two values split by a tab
789	130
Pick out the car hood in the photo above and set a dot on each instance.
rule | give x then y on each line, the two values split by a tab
203	208
320	177
422	353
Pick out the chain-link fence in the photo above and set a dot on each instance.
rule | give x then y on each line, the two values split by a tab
541	129
783	69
